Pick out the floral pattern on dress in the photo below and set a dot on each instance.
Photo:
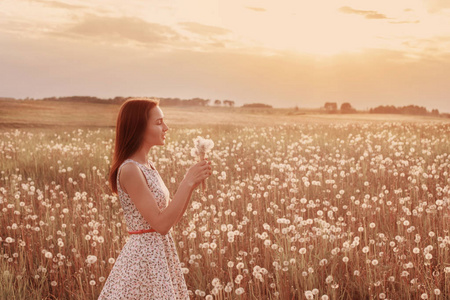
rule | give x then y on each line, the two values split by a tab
148	267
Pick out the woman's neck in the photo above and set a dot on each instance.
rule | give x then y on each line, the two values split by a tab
141	156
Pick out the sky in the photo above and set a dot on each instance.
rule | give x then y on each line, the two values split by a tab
284	53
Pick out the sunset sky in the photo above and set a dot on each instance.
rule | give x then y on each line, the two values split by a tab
283	53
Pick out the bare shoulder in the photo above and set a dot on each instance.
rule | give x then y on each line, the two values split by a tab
130	172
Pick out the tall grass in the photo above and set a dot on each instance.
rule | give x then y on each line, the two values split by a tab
311	211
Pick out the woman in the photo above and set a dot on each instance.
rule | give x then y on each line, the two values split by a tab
148	266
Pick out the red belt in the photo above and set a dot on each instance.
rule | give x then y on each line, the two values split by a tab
142	231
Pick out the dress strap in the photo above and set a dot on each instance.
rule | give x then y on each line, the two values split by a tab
138	163
124	163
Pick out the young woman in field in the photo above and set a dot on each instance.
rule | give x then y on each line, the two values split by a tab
148	267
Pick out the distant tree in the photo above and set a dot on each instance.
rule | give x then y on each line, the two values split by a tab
196	102
162	101
230	103
407	110
257	105
175	101
389	109
330	107
347	108
413	110
435	112
118	99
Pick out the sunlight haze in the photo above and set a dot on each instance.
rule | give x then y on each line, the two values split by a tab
282	53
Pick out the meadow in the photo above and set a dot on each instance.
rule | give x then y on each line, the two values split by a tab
308	208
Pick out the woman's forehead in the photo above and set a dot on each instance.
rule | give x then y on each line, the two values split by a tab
156	113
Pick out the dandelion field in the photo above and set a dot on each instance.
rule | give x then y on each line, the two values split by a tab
347	210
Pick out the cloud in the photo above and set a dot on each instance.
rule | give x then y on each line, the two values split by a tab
436	6
257	9
136	32
368	14
128	28
371	78
203	29
16	26
429	47
59	4
372	14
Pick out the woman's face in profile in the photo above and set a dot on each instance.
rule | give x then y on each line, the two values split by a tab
156	128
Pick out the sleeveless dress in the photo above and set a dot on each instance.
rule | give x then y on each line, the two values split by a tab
148	266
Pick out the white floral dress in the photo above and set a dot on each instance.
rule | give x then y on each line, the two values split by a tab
148	267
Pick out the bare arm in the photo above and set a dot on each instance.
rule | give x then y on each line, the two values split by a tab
134	182
185	207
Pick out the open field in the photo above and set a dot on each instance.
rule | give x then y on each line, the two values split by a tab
50	114
323	207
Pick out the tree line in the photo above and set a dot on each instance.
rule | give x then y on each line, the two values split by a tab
409	110
346	107
330	107
119	100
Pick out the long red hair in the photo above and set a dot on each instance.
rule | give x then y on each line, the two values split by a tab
130	127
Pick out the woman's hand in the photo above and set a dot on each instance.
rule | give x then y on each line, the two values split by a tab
198	172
